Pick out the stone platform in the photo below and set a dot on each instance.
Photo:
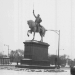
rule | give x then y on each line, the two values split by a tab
34	67
34	62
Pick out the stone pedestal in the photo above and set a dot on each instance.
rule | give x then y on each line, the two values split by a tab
35	56
35	53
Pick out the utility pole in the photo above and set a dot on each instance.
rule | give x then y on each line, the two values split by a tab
58	32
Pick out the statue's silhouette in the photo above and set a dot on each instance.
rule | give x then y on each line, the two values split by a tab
36	27
33	28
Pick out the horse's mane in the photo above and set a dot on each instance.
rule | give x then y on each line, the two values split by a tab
30	21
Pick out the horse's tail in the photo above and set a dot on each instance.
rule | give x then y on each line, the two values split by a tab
46	30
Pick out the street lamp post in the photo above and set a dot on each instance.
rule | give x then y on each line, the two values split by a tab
8	48
58	32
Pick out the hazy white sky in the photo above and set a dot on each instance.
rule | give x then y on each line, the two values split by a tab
55	14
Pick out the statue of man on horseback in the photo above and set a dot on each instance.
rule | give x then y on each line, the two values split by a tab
38	20
36	27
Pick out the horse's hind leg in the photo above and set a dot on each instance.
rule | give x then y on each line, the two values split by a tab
41	38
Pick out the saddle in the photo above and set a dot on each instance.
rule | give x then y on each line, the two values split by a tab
38	27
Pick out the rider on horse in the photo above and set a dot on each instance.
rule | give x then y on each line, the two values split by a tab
38	20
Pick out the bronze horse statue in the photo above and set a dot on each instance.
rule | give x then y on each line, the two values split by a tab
41	30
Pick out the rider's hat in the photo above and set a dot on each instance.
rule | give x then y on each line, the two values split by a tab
38	15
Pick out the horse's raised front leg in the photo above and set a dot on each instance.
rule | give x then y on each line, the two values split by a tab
29	31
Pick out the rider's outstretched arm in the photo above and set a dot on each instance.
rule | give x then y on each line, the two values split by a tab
34	14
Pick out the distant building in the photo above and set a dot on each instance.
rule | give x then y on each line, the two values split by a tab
4	60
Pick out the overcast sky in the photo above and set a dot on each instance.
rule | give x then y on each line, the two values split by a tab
55	14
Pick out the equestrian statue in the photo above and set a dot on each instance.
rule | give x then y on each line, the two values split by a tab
36	27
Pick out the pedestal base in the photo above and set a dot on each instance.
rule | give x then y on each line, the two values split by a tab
34	62
35	67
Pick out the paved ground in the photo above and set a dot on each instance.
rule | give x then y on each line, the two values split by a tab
12	70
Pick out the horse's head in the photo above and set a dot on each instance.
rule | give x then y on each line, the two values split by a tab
28	22
31	23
